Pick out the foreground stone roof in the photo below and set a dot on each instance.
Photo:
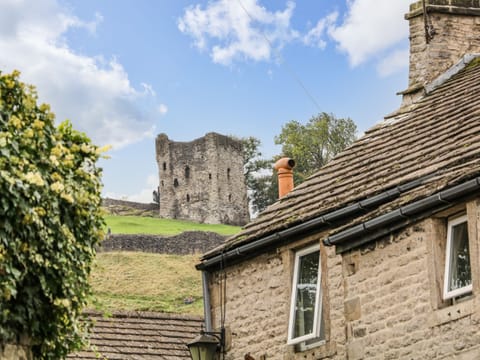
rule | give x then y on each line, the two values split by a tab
140	335
437	139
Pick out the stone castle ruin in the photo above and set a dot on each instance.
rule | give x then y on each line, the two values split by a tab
202	180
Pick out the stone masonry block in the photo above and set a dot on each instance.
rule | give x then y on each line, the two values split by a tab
352	309
355	350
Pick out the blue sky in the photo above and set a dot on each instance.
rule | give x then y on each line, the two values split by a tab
124	71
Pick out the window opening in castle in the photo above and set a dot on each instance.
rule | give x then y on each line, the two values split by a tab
228	173
229	197
187	172
458	275
188	197
210	176
175	182
164	166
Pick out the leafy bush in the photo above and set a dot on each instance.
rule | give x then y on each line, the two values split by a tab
50	222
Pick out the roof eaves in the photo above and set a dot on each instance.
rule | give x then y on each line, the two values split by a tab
222	254
373	228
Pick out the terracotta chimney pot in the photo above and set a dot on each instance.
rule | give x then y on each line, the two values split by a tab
284	168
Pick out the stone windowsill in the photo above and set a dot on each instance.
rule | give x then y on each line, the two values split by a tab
451	313
323	351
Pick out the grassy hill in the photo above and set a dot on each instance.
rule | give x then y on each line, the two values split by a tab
150	282
147	282
153	225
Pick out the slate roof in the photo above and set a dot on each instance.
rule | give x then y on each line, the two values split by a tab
140	335
437	139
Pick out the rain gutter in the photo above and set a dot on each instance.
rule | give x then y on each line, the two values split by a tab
384	224
309	226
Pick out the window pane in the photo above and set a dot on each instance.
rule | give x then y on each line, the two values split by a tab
306	293
460	274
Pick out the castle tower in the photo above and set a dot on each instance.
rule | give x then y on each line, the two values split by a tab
202	180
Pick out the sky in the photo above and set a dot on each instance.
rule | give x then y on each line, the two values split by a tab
124	71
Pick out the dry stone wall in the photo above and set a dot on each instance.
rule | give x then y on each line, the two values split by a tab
189	242
107	202
202	180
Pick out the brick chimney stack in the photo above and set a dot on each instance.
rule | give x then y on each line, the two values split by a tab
441	33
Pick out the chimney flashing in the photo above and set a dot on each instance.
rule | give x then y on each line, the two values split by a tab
416	92
455	69
411	89
441	33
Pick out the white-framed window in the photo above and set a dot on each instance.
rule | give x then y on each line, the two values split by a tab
306	303
458	275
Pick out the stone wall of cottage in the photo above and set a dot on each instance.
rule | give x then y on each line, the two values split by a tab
383	300
392	301
258	303
387	298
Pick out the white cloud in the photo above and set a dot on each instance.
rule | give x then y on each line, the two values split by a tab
371	27
162	109
143	196
238	31
95	94
393	62
315	37
234	31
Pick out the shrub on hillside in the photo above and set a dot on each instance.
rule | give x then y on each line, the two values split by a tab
50	222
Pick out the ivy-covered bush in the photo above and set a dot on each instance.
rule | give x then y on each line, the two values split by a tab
50	223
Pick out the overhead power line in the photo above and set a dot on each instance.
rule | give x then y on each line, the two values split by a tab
288	67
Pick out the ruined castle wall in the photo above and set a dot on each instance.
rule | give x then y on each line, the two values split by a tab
202	180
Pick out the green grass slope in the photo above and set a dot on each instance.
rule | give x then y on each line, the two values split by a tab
150	225
149	282
146	282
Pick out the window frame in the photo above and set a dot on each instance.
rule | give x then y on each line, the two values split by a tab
318	299
449	294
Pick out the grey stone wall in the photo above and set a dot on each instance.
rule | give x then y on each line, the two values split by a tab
202	180
107	202
190	242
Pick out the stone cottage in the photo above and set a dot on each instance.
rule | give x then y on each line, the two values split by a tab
202	180
375	256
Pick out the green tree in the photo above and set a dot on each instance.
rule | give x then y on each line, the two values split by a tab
50	223
257	172
314	144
